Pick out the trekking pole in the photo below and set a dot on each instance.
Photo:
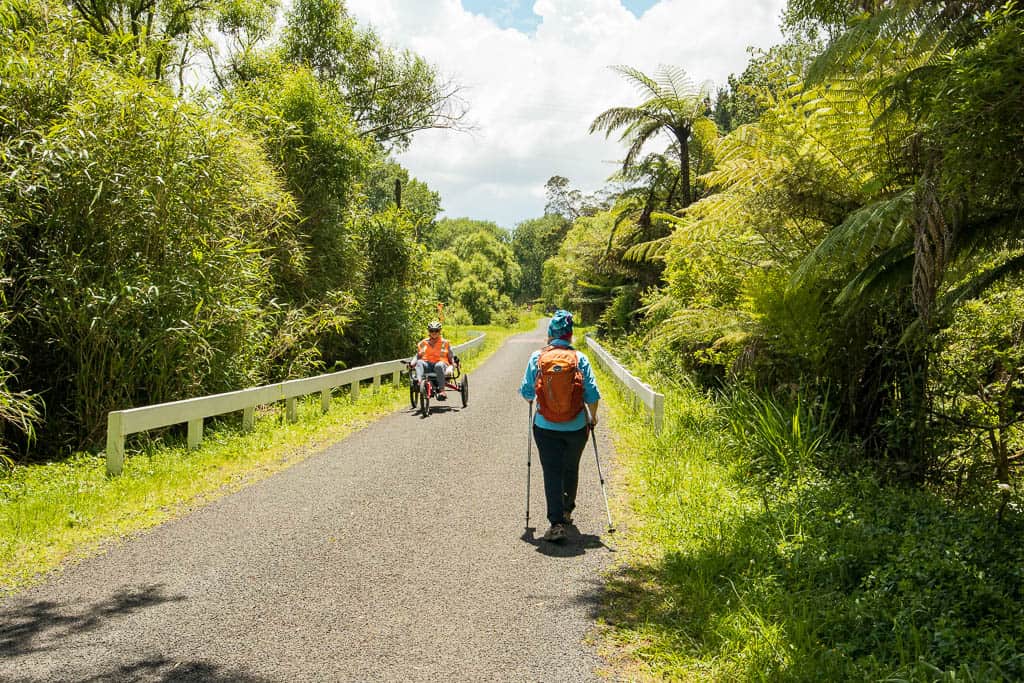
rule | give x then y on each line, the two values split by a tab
529	450
600	476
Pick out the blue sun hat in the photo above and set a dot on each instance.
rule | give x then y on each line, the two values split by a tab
561	324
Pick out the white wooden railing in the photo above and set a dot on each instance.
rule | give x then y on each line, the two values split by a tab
652	400
121	423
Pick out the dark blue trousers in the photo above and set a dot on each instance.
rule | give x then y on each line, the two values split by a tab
560	460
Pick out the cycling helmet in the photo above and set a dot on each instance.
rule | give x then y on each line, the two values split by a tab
434	326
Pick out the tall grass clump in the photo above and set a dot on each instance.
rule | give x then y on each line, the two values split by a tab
777	437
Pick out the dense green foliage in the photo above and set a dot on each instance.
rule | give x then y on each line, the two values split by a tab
159	242
738	574
838	495
860	193
476	273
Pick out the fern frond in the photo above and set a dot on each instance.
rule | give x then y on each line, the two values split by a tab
644	83
879	225
648	252
969	289
674	80
996	230
847	50
613	118
642	134
891	269
595	288
690	322
976	285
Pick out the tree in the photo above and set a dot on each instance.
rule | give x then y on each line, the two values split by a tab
137	237
391	94
418	201
244	26
156	34
449	230
569	202
533	242
672	106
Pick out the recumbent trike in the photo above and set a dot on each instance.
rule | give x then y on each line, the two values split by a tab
421	394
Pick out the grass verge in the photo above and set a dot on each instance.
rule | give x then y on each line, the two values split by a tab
728	575
63	511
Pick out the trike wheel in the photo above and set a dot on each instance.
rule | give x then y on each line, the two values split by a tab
414	393
424	400
464	390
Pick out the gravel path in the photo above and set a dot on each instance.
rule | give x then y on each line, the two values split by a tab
395	555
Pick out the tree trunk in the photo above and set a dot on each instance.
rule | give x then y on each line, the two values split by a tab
683	135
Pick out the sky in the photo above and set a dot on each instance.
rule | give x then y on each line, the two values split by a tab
535	74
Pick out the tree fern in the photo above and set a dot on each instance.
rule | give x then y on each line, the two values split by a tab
672	105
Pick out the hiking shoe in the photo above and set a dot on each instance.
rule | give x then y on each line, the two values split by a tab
555	533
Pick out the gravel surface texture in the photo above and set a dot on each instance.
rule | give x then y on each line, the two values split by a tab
397	554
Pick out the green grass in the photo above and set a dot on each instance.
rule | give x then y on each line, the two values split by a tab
725	574
62	511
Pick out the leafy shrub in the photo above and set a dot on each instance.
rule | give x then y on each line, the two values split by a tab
137	261
476	298
978	383
394	306
898	583
706	344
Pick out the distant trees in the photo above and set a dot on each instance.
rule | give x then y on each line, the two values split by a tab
474	268
533	242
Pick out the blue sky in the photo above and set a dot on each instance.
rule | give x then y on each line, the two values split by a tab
535	74
518	14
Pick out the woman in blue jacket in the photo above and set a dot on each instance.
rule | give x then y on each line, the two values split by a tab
561	443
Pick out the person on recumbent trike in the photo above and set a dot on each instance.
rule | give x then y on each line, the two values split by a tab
434	354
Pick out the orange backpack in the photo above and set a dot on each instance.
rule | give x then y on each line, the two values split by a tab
559	384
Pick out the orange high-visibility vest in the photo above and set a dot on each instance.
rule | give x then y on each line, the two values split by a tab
432	353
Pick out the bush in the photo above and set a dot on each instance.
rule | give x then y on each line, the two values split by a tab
978	384
137	264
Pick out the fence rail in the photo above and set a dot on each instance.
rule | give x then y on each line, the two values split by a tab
121	423
652	400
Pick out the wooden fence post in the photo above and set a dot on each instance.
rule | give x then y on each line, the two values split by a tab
115	443
195	433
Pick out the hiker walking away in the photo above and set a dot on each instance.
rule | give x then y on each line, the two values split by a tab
561	380
434	354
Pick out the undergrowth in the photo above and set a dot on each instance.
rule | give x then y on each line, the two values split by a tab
744	563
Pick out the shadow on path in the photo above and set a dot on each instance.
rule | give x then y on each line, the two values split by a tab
39	626
574	545
163	670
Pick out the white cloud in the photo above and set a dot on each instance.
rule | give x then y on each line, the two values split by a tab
532	97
